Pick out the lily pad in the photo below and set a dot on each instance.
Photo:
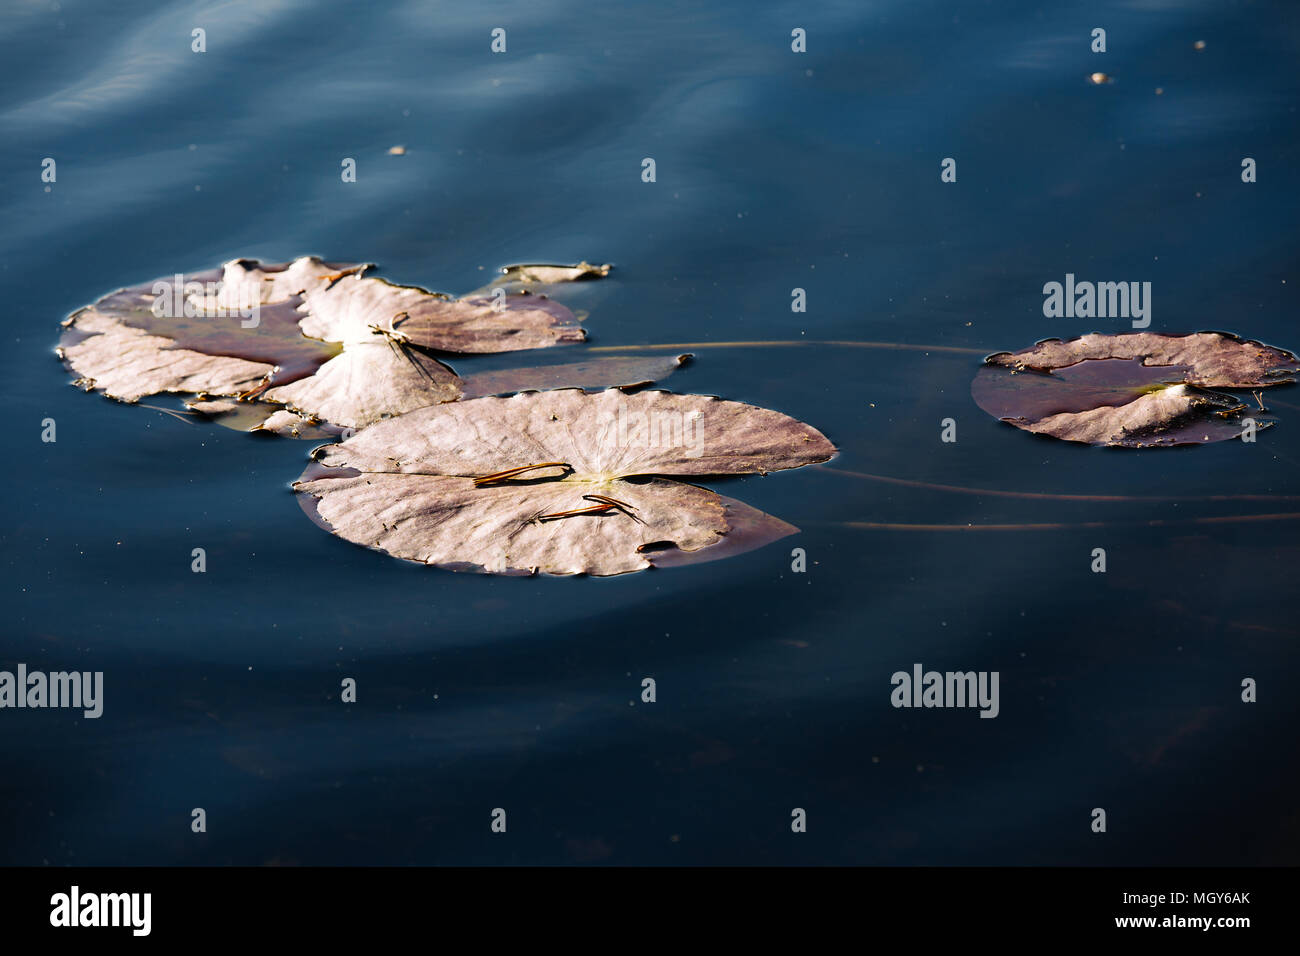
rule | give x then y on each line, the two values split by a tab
312	339
561	482
356	309
190	336
1210	359
1135	390
539	279
244	281
624	372
384	329
610	371
253	417
369	381
575	283
553	274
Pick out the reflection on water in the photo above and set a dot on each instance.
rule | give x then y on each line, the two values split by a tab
775	171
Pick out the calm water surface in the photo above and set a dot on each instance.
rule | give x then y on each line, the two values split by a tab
775	171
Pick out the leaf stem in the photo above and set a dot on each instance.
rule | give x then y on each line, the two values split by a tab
1059	526
902	346
1043	496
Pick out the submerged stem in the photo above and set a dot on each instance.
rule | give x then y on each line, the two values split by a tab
189	417
996	493
1059	526
903	346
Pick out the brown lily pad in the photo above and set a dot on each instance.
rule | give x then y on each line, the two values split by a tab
315	342
574	282
605	372
253	417
356	309
367	382
190	333
540	279
559	482
1135	390
1210	359
624	372
551	274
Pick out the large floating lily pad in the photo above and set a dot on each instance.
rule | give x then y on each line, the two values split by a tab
562	482
1138	390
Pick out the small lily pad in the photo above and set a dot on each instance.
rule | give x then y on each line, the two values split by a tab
1134	390
610	371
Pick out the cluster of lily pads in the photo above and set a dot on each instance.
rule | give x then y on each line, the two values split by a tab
536	469
432	466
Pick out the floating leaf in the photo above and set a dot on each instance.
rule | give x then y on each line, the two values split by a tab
241	416
550	275
748	529
253	417
562	482
539	279
245	281
367	382
1139	389
316	340
355	309
605	372
187	333
1086	385
382	371
127	364
1210	359
292	425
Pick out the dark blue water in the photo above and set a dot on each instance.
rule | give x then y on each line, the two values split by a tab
775	170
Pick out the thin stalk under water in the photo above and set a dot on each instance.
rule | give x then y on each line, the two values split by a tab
901	346
1056	526
1045	496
